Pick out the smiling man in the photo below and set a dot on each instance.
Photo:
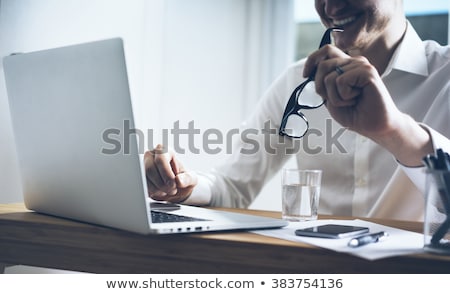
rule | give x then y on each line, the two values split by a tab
371	28
387	94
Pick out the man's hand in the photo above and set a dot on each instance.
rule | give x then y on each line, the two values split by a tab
166	177
355	95
357	98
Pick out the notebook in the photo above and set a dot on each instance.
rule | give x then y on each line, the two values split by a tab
66	105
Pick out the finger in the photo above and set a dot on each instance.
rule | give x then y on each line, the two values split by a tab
176	166
163	162
328	90
177	198
186	181
327	74
355	77
346	89
324	53
159	173
158	195
151	173
338	91
155	189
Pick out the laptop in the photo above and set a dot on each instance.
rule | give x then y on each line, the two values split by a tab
65	103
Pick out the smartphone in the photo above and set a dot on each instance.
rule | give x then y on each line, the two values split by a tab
332	231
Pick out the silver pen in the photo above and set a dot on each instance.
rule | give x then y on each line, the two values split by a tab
367	239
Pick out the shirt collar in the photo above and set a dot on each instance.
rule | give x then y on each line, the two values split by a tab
410	56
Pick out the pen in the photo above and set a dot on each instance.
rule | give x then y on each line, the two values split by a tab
366	239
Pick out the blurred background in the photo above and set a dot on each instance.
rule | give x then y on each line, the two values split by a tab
200	61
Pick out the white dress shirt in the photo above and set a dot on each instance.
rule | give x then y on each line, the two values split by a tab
360	178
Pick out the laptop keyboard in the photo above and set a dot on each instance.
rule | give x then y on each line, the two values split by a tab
163	217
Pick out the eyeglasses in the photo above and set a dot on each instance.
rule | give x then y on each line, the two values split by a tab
294	123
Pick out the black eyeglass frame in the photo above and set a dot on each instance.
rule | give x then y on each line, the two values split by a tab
293	107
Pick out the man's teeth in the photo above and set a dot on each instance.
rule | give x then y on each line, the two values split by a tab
344	21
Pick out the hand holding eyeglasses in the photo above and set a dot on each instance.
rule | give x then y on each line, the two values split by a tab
356	97
351	87
353	91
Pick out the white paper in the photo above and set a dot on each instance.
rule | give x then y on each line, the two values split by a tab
399	242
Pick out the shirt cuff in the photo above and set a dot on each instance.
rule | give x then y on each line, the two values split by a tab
437	139
417	174
201	194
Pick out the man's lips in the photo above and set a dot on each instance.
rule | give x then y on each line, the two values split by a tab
343	21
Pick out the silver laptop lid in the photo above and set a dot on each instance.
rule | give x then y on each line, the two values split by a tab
62	101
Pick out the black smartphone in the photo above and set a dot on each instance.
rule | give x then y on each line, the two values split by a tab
332	231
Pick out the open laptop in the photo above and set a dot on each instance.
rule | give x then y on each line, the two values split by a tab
63	103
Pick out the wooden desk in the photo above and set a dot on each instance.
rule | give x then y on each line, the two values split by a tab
33	239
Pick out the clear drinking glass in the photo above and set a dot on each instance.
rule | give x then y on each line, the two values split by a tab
300	194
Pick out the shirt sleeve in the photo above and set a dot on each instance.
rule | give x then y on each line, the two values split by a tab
417	174
201	195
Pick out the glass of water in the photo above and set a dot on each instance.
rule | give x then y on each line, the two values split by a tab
300	194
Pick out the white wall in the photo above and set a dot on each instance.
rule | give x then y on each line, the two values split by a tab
203	71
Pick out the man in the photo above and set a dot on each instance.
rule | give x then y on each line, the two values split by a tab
378	82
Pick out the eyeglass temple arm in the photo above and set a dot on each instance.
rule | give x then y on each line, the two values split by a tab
326	39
